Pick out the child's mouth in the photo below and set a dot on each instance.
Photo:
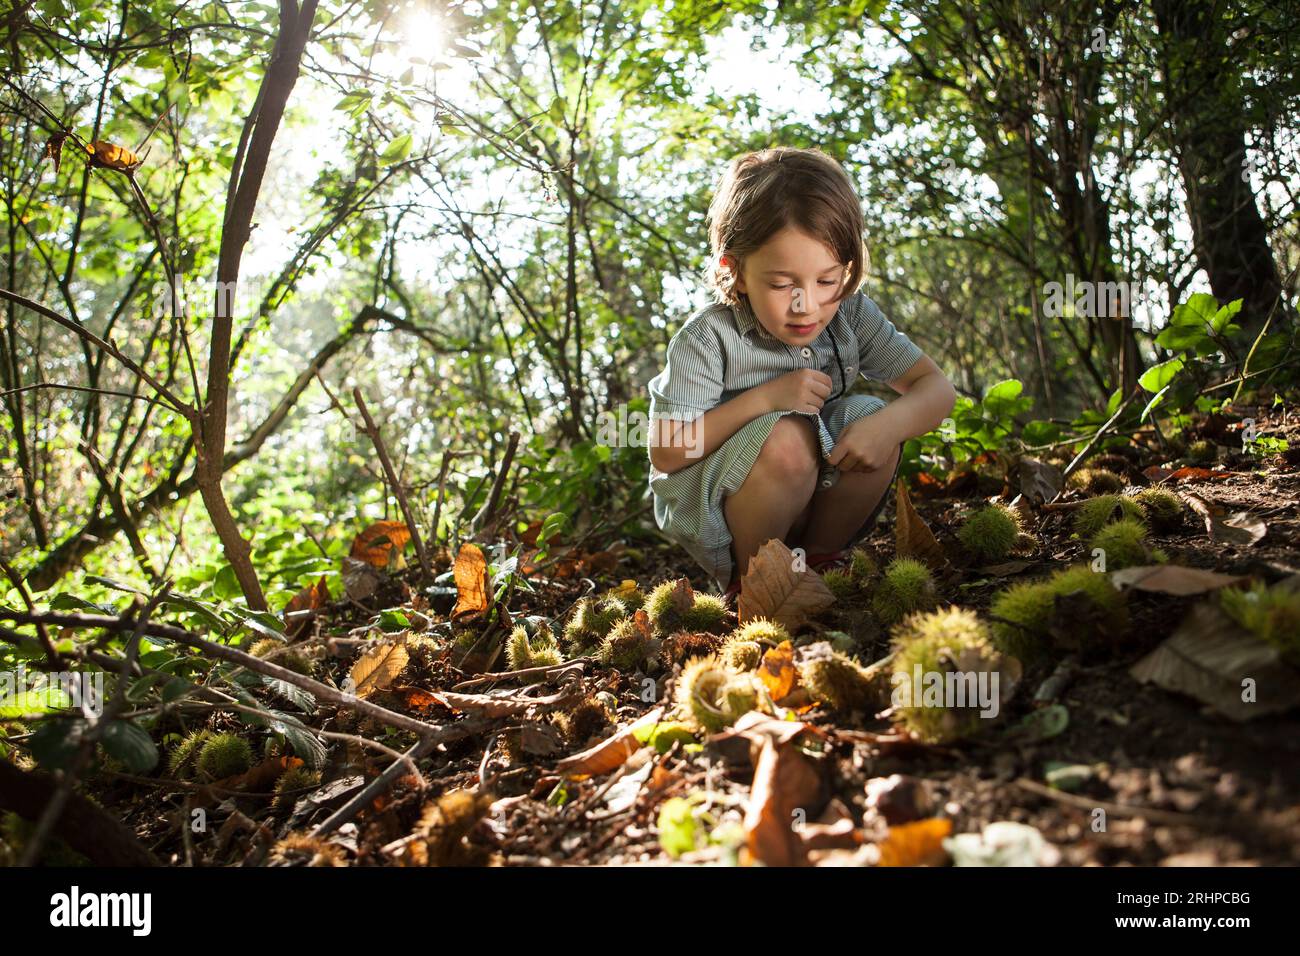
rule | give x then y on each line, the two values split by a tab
801	329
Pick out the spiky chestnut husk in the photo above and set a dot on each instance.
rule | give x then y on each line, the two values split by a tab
706	694
1111	461
936	643
1271	614
1164	509
587	717
862	565
840	683
1124	544
990	533
625	647
1096	481
277	652
293	779
708	612
183	760
225	755
523	652
631	596
741	655
1022	614
839	583
1203	450
1095	513
906	586
682	646
300	848
591	621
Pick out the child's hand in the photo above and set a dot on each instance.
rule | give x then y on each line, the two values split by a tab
803	390
864	445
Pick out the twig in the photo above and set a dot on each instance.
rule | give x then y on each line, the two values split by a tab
55	659
489	510
380	449
371	790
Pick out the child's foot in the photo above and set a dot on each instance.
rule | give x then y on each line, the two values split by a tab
822	562
732	589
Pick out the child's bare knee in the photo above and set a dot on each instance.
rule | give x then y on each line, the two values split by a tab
790	454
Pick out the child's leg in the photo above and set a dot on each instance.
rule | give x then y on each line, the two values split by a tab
776	490
840	511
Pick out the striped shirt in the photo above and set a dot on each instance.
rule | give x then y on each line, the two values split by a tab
723	350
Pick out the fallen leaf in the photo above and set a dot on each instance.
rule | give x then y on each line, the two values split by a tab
916	844
1157	473
786	785
777	672
360	579
310	598
1209	657
611	753
1040	481
374	545
1240	529
262	778
471	581
912	536
378	668
1173	579
416	698
773	589
1007	568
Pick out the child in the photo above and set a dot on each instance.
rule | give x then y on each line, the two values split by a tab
753	434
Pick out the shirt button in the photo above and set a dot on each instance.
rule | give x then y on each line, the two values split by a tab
806	352
826	482
849	369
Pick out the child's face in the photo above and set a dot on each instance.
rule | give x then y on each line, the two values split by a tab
793	282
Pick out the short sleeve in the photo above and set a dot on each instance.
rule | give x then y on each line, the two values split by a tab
884	353
691	382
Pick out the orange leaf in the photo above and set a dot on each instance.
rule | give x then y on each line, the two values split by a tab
912	536
112	156
773	589
471	581
916	844
417	698
609	754
309	598
777	670
374	544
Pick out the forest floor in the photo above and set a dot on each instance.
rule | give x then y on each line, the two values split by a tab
1108	770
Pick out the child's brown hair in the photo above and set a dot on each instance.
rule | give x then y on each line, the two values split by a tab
763	192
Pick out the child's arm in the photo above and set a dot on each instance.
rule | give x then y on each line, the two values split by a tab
677	444
927	399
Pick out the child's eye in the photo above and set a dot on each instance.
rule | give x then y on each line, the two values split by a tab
821	282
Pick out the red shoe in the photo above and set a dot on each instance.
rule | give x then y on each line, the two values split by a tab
733	589
821	562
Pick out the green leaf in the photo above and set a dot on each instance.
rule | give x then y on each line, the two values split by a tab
1159	376
678	827
397	150
54	742
393	620
225	585
551	526
131	744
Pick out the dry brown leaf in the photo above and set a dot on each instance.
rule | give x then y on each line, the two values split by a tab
777	672
1240	529
309	598
916	844
471	581
773	589
1174	579
262	778
611	753
378	668
1209	657
1040	481
785	788
912	536
416	698
1156	473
